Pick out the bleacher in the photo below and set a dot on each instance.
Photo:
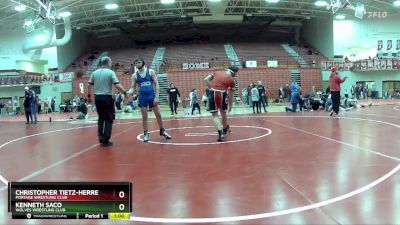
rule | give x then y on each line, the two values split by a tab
262	52
213	53
125	57
309	58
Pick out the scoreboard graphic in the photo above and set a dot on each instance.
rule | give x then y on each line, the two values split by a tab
70	200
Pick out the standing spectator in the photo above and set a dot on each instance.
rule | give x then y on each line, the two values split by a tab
174	98
286	92
53	104
261	93
194	100
46	106
255	98
334	84
39	101
353	91
281	95
2	108
365	90
249	101
28	105
34	106
244	96
103	80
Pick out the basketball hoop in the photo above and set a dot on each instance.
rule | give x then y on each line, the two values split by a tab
334	6
52	13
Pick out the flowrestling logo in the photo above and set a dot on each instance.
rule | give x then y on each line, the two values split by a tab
377	15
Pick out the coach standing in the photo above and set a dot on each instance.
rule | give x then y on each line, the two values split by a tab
334	85
103	80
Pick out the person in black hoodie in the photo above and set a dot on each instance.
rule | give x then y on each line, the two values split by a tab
28	104
174	98
261	93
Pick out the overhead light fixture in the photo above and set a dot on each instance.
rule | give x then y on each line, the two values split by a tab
272	1
320	3
340	17
396	3
214	0
111	6
167	1
20	8
65	14
28	23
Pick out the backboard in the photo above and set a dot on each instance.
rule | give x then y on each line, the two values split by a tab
48	11
51	13
335	5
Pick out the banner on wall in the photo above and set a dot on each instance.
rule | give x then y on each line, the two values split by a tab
389	45
272	63
398	45
368	64
380	45
327	65
81	88
66	77
195	66
250	64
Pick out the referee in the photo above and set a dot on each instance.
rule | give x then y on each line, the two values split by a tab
103	80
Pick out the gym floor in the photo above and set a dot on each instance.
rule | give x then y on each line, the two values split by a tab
274	168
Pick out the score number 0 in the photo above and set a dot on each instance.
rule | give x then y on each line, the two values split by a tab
121	194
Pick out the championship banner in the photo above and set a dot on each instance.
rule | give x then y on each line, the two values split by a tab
389	45
389	64
380	45
370	64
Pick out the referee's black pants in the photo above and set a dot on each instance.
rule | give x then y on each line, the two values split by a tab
106	112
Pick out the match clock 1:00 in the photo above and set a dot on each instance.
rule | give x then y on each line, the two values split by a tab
119	216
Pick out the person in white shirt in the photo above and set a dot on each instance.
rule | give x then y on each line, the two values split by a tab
255	98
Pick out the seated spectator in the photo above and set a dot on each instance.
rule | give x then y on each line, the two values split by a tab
83	110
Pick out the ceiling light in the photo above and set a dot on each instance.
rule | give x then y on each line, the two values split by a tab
272	1
167	1
321	3
111	6
396	3
20	8
340	17
65	14
28	23
214	0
